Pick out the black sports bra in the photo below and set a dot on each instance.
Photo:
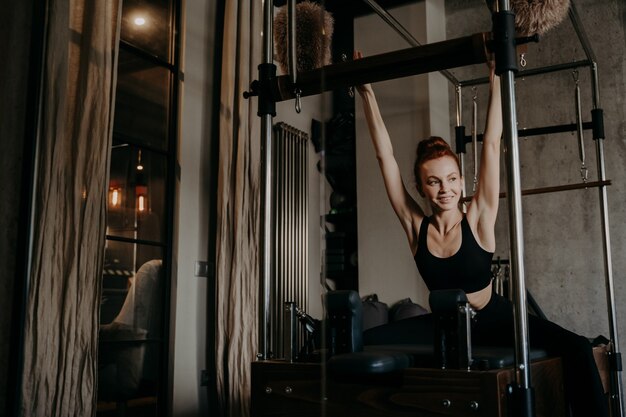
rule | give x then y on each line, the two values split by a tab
468	269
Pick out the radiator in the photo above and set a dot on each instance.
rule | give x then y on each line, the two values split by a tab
291	218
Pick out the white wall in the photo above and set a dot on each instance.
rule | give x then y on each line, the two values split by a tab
413	108
189	398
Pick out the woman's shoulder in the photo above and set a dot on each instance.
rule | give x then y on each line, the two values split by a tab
482	228
418	221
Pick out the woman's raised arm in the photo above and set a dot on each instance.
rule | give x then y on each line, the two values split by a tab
484	205
407	210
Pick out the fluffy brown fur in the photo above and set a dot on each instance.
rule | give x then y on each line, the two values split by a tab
314	31
536	16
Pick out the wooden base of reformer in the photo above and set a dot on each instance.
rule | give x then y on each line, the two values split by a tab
303	389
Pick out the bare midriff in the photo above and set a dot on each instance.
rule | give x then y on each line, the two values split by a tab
479	299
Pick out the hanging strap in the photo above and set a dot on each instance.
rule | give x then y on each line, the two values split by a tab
475	136
584	172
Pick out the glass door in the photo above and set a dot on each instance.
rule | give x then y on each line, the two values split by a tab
134	308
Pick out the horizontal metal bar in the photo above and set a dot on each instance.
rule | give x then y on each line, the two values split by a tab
554	189
545	130
120	140
129	341
391	65
137	241
580	31
149	56
405	34
532	72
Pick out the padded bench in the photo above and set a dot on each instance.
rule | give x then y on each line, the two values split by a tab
379	359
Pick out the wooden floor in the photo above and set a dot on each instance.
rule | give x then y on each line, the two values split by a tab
283	389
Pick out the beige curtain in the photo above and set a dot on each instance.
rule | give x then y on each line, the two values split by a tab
238	208
61	331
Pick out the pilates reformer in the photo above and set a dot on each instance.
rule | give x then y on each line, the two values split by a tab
421	59
371	375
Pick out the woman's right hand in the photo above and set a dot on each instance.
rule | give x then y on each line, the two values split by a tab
364	88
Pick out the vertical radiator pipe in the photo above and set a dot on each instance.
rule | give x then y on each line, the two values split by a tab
506	66
278	297
616	389
284	255
305	239
298	137
290	227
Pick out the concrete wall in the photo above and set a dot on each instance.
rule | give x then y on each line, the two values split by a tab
413	108
562	232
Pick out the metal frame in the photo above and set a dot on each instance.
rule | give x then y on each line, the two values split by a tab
265	249
283	89
616	394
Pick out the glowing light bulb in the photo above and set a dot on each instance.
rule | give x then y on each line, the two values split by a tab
140	21
115	198
141	203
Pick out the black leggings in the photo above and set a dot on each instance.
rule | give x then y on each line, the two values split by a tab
493	326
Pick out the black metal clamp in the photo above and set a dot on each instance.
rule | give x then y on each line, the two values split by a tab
504	41
264	89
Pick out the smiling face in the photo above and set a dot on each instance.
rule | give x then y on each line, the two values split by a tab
441	183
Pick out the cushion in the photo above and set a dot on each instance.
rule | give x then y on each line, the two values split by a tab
375	313
369	362
404	309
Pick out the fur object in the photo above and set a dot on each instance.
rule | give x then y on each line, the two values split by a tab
314	31
536	16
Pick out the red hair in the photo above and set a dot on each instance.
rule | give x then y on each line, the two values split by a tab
432	148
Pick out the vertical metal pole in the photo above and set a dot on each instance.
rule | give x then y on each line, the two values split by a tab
616	389
291	39
516	231
468	328
266	197
504	34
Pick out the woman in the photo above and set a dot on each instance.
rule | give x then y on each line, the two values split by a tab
453	249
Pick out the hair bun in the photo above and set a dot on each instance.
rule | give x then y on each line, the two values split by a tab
432	145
